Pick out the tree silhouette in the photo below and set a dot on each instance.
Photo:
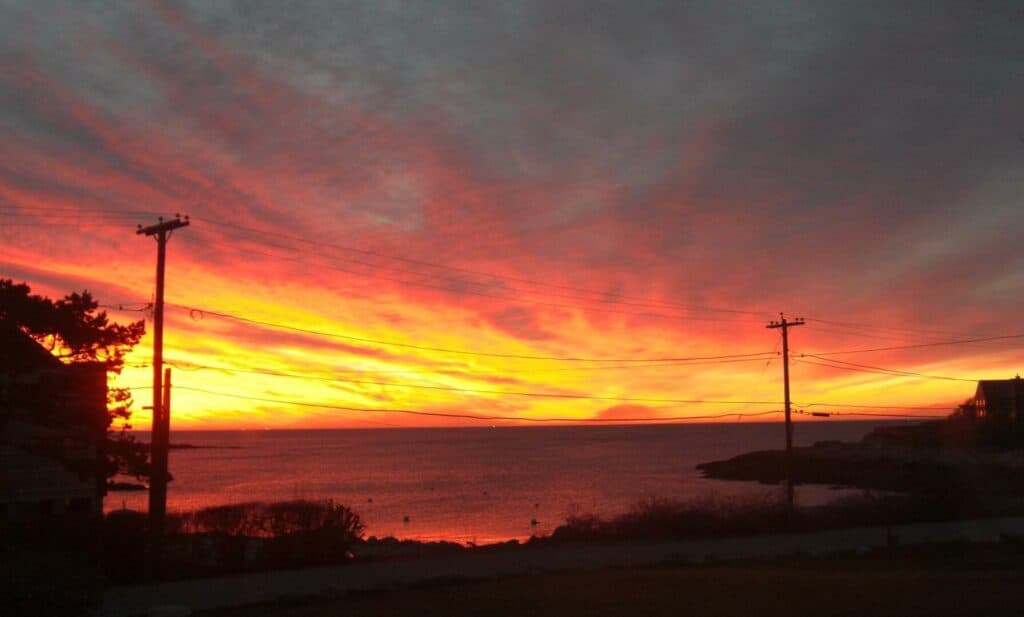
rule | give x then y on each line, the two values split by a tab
74	330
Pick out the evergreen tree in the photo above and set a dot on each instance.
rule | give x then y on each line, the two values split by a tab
73	329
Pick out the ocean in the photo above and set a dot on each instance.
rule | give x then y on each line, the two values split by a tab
477	485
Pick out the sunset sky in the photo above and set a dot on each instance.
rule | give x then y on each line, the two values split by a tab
456	210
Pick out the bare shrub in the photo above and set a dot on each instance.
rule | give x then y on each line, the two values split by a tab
298	532
660	517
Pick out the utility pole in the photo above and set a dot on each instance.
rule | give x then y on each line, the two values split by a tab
159	436
785	325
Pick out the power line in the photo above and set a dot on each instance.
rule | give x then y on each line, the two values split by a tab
867	368
486	417
493	417
873	415
638	365
847	368
476	390
67	217
542	370
126	306
921	345
861	406
873	335
68	211
359	339
606	298
515	298
71	223
864	326
461	282
235	227
194	366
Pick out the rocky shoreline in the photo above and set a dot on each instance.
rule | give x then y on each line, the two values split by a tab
883	464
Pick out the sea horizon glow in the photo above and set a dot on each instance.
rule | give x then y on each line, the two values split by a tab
526	212
476	484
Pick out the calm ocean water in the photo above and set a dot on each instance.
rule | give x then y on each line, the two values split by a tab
473	484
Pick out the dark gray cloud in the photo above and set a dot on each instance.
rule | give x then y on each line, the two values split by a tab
820	153
520	322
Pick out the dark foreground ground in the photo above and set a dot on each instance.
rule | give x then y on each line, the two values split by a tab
945	580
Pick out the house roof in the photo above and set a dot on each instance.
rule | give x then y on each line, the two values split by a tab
1002	392
21	353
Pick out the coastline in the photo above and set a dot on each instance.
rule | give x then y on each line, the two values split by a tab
876	465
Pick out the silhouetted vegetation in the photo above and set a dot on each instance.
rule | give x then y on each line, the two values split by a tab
718	517
74	330
238	537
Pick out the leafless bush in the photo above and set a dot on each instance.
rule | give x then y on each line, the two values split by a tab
257	535
268	520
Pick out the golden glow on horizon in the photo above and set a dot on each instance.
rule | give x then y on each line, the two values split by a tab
196	339
310	370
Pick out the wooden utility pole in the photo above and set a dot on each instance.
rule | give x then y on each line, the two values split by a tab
785	326
159	436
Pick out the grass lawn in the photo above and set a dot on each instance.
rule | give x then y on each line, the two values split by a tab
931	581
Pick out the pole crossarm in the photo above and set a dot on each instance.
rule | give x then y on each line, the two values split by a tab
784	323
163	226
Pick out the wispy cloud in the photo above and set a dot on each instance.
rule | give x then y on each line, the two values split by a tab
852	161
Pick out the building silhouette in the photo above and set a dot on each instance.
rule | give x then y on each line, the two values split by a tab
1000	400
53	420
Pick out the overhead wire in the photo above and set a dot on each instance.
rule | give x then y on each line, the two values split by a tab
603	295
520	298
68	210
313	332
419	262
515	298
485	417
840	364
555	395
865	406
922	345
872	414
863	326
561	369
634	362
549	419
465	373
462	282
891	337
194	366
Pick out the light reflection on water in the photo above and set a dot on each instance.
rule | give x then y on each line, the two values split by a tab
474	484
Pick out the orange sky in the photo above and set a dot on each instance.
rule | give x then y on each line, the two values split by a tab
608	197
